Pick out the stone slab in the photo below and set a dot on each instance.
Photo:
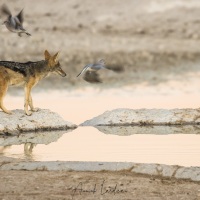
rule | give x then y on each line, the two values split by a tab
42	120
124	117
169	171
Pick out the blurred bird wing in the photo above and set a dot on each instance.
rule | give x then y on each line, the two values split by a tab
92	77
83	70
17	24
116	68
97	66
5	10
101	62
12	22
20	16
16	21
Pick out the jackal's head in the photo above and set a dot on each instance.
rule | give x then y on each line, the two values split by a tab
54	64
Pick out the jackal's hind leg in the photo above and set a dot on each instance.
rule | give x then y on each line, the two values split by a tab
3	90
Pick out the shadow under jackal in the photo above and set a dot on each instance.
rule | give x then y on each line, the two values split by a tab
27	75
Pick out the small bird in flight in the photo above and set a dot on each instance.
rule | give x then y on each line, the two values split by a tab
90	71
14	24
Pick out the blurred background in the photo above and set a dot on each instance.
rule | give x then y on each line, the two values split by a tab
156	41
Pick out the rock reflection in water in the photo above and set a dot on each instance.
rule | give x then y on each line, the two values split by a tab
30	140
157	130
33	137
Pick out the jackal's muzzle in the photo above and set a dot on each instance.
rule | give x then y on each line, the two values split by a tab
60	72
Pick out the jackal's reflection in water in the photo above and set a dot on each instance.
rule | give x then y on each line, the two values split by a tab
28	148
28	141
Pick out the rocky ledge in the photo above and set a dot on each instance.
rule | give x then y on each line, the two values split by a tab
42	120
170	171
124	117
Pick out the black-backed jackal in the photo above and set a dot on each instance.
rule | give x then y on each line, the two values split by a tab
27	75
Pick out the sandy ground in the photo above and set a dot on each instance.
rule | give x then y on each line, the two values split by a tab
155	41
81	185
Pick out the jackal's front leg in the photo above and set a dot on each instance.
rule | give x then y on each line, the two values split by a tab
27	100
31	104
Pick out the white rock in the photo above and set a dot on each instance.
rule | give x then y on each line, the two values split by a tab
1	128
120	117
192	173
42	120
155	169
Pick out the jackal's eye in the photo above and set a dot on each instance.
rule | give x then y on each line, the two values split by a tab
58	64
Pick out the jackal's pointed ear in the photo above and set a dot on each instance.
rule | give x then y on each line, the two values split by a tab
55	57
47	55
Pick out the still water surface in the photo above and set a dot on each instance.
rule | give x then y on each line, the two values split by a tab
90	144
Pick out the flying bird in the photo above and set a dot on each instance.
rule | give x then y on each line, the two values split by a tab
90	71
14	23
